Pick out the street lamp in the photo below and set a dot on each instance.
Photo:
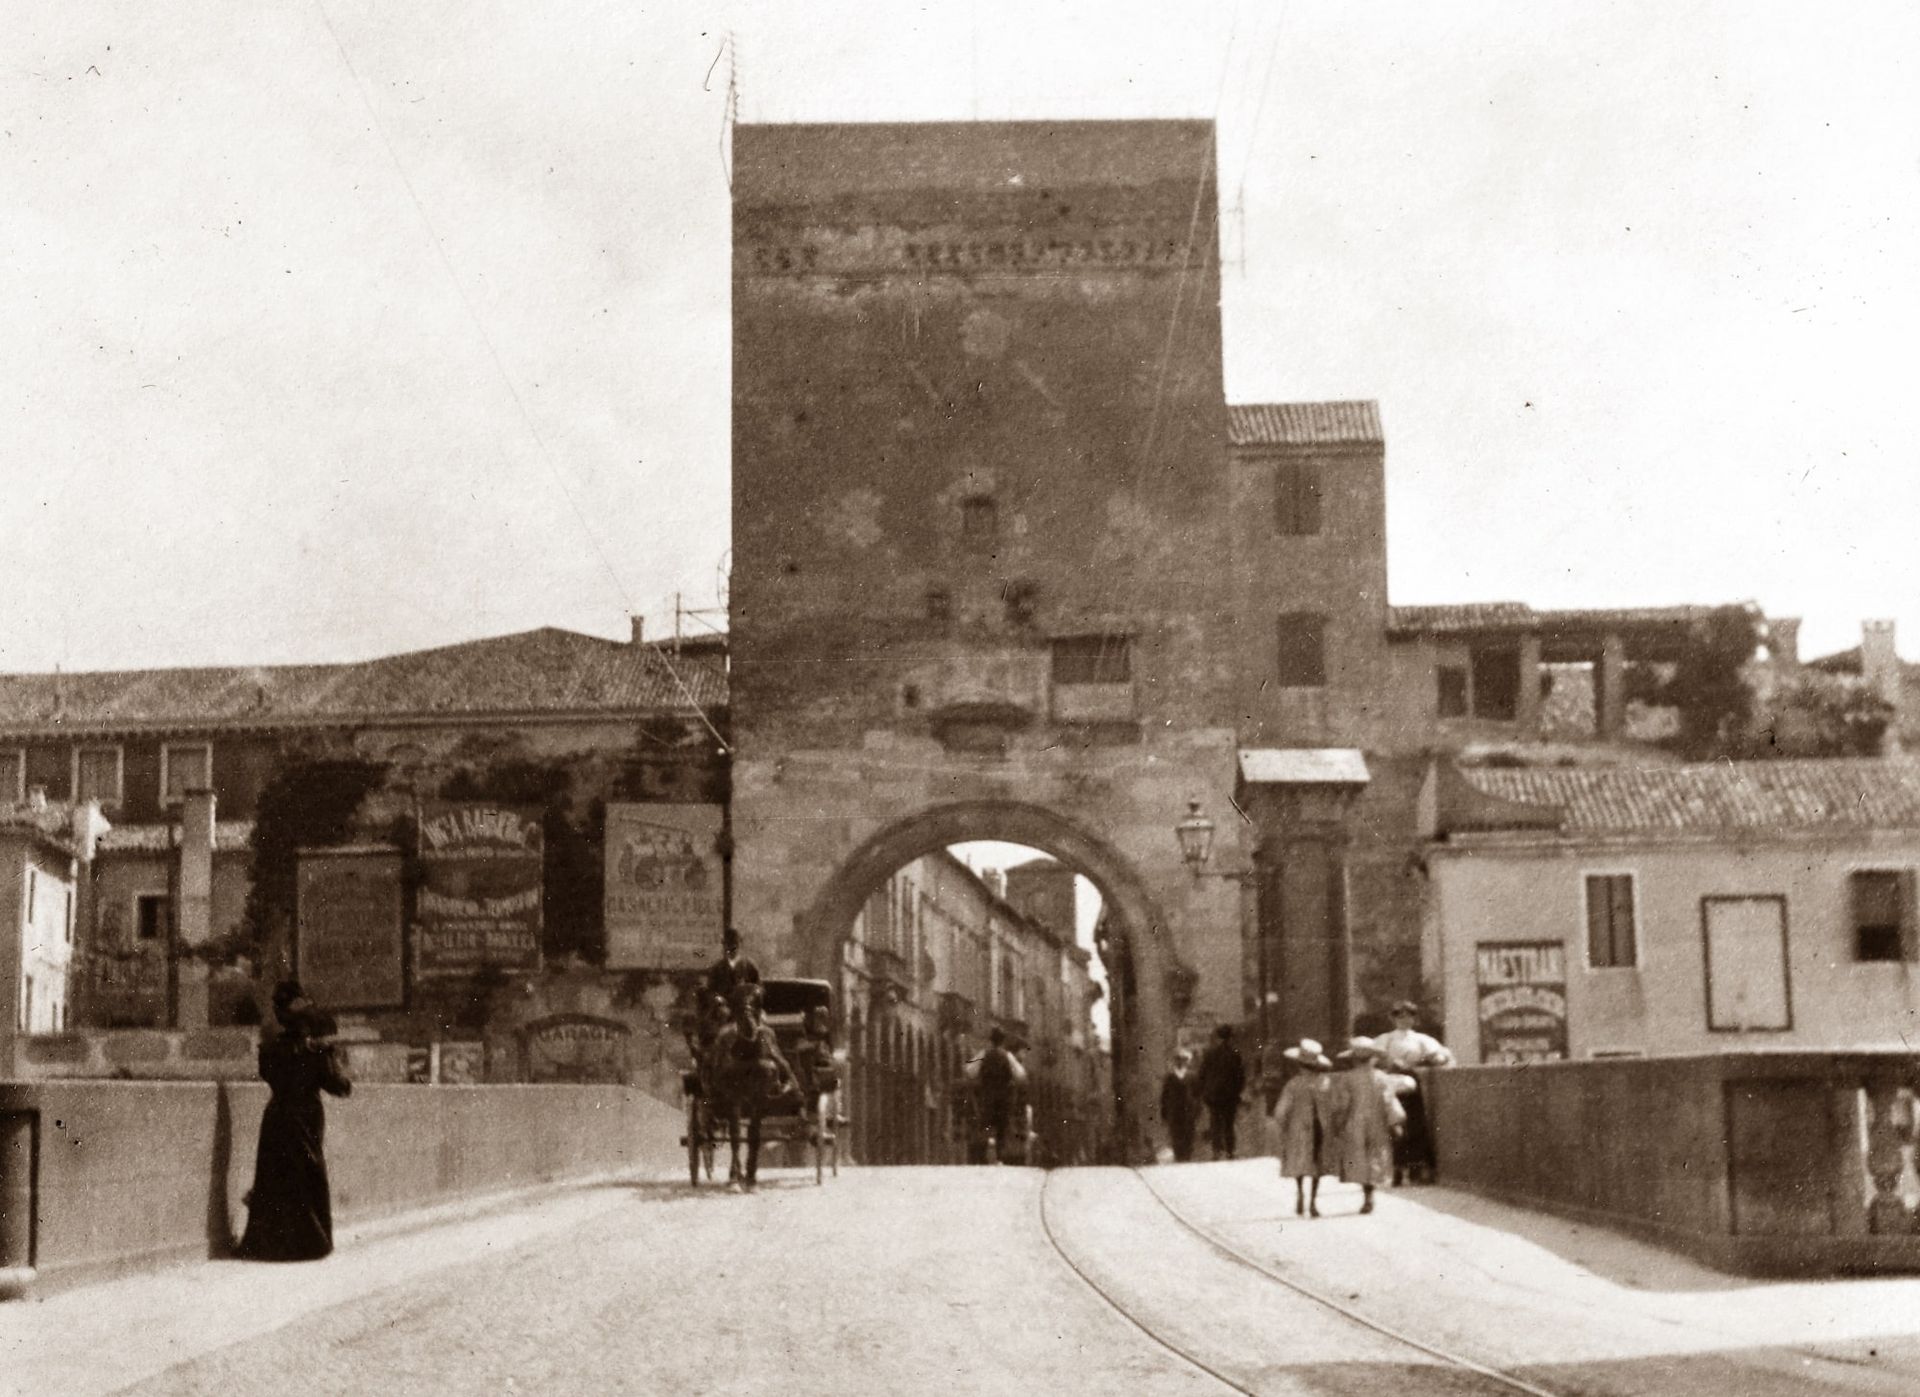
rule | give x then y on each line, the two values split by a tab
1195	837
1195	834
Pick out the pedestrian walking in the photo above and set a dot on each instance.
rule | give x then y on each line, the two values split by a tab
995	1074
733	969
1303	1121
290	1208
1406	1052
1366	1113
1180	1105
1223	1080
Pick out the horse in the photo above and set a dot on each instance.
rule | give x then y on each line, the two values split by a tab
744	1074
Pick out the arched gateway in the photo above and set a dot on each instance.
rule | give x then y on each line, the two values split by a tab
983	583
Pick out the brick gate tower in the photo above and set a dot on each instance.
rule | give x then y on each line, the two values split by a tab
981	512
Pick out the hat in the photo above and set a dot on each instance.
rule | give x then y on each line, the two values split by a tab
1405	1006
1362	1047
1308	1054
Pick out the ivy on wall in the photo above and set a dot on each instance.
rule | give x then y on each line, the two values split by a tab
311	802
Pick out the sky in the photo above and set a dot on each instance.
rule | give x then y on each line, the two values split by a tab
339	328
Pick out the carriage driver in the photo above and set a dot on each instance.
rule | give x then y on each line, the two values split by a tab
733	969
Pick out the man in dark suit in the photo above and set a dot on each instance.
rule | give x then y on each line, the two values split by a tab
732	969
1223	1079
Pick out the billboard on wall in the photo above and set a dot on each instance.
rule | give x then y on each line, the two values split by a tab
479	900
1523	1000
347	934
663	897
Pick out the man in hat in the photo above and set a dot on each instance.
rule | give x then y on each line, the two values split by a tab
1405	1050
1180	1105
1223	1080
733	969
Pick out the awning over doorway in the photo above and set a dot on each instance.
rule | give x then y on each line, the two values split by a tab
1303	766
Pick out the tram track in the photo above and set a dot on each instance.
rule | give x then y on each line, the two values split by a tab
1489	1378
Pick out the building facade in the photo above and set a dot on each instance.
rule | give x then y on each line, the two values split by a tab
1685	909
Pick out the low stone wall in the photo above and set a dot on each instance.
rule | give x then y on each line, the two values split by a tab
147	1054
1764	1163
103	1177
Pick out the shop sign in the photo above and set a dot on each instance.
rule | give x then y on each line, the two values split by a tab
577	1048
663	902
1523	1000
348	922
480	895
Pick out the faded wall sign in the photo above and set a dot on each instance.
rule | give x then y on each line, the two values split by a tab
577	1048
348	928
479	902
663	886
1523	1000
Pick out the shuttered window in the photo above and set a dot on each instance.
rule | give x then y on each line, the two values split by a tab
1296	498
1611	940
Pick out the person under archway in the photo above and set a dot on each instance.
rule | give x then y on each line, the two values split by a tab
1180	1105
1223	1081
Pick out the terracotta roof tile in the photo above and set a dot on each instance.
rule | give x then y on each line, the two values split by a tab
1720	797
1303	424
539	671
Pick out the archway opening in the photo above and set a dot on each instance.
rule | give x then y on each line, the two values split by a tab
965	920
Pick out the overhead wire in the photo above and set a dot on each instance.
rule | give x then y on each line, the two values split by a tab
545	452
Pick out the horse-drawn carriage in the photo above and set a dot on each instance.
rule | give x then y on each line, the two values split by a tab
770	1064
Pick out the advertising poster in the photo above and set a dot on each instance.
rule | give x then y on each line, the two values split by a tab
663	887
479	899
1523	1001
347	934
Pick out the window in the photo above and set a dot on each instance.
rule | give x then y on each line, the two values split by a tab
1610	924
33	894
1303	650
1496	683
151	912
1883	922
1296	498
184	767
96	775
1093	659
1453	690
13	775
979	520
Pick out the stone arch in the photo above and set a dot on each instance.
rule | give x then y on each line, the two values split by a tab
1134	914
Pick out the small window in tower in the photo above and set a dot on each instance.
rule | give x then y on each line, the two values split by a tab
1296	501
1303	650
979	520
1093	659
1453	690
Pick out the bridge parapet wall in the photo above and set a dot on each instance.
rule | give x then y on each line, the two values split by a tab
100	1178
1761	1163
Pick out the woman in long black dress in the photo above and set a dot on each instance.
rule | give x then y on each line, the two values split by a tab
289	1211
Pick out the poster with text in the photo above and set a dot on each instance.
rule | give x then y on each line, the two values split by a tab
1523	1000
479	902
663	886
347	935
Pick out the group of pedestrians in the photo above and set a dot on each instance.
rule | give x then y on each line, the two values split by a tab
1358	1115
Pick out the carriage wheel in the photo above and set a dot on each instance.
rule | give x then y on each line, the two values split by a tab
696	1134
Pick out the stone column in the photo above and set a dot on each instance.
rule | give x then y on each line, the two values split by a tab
193	908
1341	932
1610	687
1527	701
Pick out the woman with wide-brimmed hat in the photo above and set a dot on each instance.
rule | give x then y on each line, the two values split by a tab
1365	1104
1303	1122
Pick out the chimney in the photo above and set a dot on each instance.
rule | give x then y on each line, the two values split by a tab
639	628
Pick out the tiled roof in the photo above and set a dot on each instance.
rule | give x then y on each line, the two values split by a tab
1516	616
1721	797
540	671
1303	424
